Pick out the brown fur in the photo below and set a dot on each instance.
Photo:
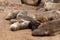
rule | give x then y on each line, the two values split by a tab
49	15
48	28
41	17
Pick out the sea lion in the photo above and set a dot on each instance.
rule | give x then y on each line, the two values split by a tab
36	18
48	28
22	24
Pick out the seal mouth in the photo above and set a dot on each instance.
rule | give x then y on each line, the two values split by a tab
13	29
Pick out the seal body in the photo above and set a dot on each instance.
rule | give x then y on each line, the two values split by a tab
48	28
19	25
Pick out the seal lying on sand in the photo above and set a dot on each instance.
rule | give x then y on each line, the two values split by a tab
34	18
28	17
48	28
41	16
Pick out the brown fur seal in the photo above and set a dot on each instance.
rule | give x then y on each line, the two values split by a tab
48	28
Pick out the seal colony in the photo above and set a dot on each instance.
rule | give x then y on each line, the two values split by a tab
41	23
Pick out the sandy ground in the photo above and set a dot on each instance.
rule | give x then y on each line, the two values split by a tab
6	34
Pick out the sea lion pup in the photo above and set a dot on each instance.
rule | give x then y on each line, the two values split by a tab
25	16
12	15
53	4
40	17
19	25
31	25
48	28
48	15
29	17
31	2
22	14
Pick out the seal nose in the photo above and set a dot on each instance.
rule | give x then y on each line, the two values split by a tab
13	29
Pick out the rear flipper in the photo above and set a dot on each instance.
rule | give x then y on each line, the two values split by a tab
34	25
